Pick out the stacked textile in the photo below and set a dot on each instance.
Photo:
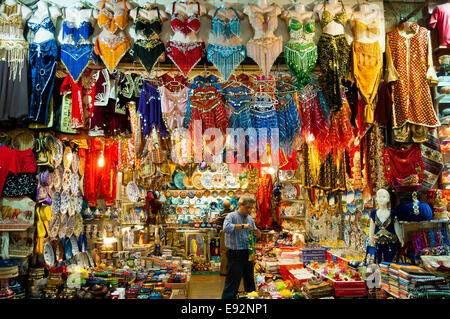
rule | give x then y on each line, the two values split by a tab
393	281
384	269
317	288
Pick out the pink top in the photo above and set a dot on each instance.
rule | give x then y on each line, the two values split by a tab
173	107
441	18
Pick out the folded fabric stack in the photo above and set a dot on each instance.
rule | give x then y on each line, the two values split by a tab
393	281
384	269
317	288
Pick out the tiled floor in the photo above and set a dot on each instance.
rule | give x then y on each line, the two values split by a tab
206	286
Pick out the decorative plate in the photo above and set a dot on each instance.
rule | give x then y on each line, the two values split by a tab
231	182
65	202
191	194
56	203
218	181
179	210
197	181
74	242
238	193
207	193
168	194
75	184
67	159
215	194
192	201
142	192
286	175
71	224
289	191
183	194
213	167
49	255
220	205
198	210
67	248
244	182
132	192
79	226
75	163
199	194
223	194
199	201
213	205
54	225
67	179
58	155
59	179
57	182
207	180
63	227
230	194
188	182
178	180
175	194
172	210
71	211
191	210
185	210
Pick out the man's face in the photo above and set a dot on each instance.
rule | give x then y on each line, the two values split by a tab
246	209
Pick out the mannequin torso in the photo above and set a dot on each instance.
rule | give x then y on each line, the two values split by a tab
263	18
111	7
187	10
300	14
15	8
334	7
226	14
148	14
74	17
43	11
366	23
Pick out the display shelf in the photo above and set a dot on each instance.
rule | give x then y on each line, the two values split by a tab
12	227
433	221
293	217
299	200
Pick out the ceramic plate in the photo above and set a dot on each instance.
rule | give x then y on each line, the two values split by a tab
197	181
178	180
74	184
191	194
198	210
59	180
142	192
67	248
207	193
223	194
79	226
49	255
67	159
132	192
63	227
71	224
230	194
54	225
172	210
56	180
289	191
188	182
218	181
185	210
207	180
215	194
65	202
168	194
75	163
67	179
183	194
74	242
199	194
238	193
58	156
191	210
179	210
56	203
175	194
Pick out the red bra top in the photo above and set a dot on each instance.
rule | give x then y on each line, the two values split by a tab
185	24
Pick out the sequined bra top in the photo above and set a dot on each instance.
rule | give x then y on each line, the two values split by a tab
115	20
146	27
227	29
264	21
360	28
328	17
185	24
12	19
84	31
46	24
300	31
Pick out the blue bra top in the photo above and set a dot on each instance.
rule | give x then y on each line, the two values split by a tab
201	81
46	24
84	32
221	27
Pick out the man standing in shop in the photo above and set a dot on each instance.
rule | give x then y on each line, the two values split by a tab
223	249
237	227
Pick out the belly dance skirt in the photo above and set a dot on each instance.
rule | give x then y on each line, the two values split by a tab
226	58
300	58
148	52
111	51
185	55
76	58
334	61
43	59
265	52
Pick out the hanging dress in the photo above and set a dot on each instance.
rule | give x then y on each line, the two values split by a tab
334	58
43	61
185	55
77	51
111	50
151	48
300	53
264	50
226	58
14	102
173	105
410	66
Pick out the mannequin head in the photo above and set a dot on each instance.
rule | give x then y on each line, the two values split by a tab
263	3
383	198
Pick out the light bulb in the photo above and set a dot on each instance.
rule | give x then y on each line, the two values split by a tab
101	160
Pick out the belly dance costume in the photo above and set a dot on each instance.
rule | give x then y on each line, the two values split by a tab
367	65
334	58
43	60
226	58
301	55
237	99
111	50
148	50
77	56
173	105
150	110
185	55
13	65
386	241
288	118
264	50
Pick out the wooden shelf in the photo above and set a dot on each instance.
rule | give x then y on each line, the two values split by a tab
433	221
12	227
293	200
293	217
